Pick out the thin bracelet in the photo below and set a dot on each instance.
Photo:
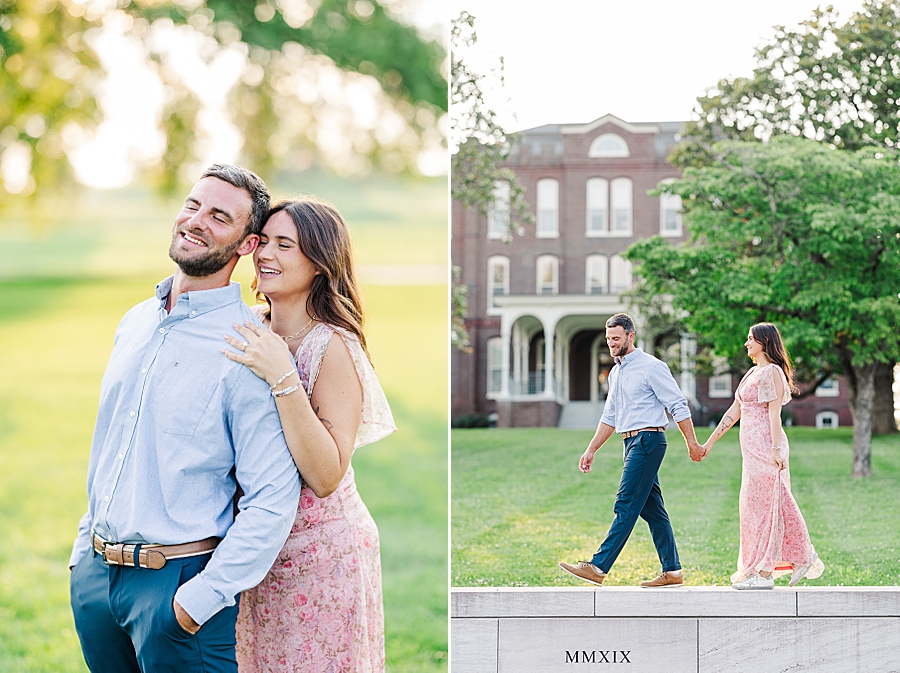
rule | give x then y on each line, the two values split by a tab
776	448
278	382
286	391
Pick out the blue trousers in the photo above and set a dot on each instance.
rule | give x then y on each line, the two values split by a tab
126	623
640	495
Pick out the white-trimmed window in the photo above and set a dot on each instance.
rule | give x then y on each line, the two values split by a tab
620	274
494	364
597	207
547	275
826	420
498	216
596	275
548	208
828	388
720	386
608	146
498	278
669	212
620	196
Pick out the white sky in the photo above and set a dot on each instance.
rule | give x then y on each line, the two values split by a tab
571	61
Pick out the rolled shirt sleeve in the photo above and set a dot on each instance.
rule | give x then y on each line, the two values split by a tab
667	392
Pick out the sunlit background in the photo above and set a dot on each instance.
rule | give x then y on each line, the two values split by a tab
109	111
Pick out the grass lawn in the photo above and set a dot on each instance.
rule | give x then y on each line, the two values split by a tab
56	332
520	506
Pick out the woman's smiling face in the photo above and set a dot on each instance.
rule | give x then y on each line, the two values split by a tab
280	265
754	348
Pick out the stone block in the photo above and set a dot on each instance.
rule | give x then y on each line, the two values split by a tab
693	602
561	645
529	602
848	602
798	645
473	645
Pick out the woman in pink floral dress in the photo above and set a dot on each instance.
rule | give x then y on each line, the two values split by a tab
774	538
319	609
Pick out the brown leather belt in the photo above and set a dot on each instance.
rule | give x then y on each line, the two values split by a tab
632	433
152	556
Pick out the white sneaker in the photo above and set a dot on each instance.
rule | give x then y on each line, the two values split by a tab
755	581
800	572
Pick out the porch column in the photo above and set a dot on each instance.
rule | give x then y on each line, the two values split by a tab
505	330
549	368
688	380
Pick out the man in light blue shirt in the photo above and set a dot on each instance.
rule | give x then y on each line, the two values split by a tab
641	390
160	558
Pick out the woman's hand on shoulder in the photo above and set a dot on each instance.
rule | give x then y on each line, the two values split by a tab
263	351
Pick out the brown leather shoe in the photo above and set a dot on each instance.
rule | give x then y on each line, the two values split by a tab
665	580
586	571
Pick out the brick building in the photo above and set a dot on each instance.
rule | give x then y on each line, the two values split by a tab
538	303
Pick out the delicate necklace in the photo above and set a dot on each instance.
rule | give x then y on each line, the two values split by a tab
294	336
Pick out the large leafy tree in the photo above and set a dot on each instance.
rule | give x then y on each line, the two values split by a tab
831	80
799	234
49	74
479	147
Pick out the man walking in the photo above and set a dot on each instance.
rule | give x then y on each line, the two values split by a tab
641	389
160	558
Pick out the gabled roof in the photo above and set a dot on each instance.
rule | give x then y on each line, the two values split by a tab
566	129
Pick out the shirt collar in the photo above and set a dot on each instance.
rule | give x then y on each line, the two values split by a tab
199	301
628	358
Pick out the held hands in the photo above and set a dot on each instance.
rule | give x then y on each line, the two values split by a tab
185	621
263	351
697	450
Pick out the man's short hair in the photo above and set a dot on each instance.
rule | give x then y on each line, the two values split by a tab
622	320
252	184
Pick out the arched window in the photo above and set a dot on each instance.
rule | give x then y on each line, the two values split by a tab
547	208
596	275
547	275
597	207
608	146
620	272
498	278
494	364
620	191
669	212
498	216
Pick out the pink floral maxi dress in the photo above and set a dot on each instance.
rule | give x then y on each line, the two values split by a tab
774	537
319	609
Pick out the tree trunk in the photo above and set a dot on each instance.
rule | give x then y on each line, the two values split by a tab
862	397
883	421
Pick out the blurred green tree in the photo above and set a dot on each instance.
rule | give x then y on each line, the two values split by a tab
46	92
50	73
794	232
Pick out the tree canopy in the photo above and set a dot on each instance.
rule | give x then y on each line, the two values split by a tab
795	233
826	80
50	74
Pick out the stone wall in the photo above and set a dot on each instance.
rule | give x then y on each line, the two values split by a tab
685	630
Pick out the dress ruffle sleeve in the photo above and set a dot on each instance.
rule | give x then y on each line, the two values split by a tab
766	391
377	421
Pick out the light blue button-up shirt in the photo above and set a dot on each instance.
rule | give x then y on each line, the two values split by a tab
179	426
641	389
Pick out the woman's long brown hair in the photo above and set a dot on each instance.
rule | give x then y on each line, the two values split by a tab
768	336
324	239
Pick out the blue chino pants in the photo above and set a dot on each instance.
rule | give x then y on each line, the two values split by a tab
640	495
126	623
